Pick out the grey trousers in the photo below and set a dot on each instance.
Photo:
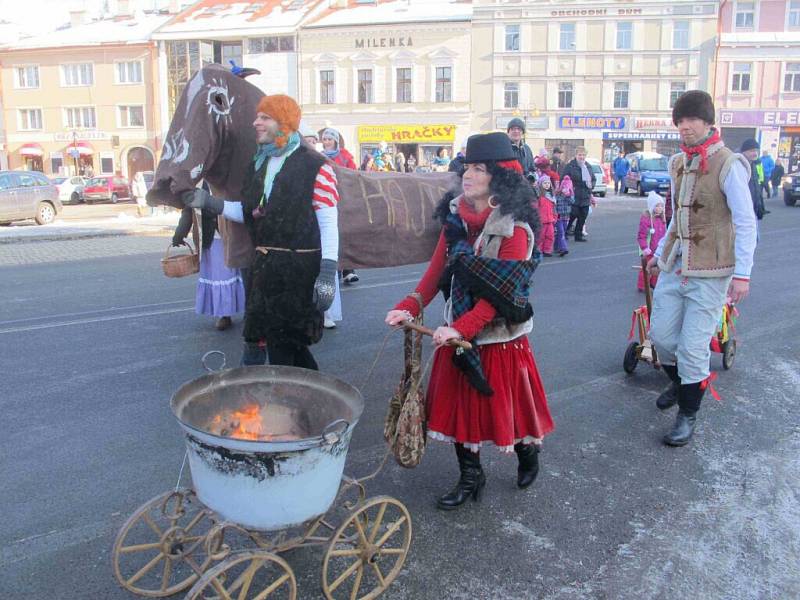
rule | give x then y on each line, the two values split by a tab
686	311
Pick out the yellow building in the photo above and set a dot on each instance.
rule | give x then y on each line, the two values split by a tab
593	73
82	98
394	72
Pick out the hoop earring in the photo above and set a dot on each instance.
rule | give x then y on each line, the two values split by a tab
492	202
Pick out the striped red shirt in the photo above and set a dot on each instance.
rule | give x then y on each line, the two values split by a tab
325	193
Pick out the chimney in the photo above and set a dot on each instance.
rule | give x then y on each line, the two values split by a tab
77	17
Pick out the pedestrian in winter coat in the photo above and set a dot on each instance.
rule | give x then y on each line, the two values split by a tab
332	148
652	227
516	133
582	176
557	162
400	162
621	167
750	151
565	196
777	175
547	215
768	164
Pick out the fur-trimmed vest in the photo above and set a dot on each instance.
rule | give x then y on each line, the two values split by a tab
497	228
701	217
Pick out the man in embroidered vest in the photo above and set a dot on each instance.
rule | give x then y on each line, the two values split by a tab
706	254
289	208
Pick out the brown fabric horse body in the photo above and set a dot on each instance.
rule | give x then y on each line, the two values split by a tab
385	219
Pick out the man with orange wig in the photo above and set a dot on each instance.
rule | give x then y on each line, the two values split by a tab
290	211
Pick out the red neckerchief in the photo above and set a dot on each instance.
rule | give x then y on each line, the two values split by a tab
474	220
702	150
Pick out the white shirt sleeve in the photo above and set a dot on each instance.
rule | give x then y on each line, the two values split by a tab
328	220
233	211
740	203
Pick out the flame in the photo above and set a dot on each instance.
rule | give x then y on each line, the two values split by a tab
243	424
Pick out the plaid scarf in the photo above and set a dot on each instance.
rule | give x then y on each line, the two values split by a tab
468	278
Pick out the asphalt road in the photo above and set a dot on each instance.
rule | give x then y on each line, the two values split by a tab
93	346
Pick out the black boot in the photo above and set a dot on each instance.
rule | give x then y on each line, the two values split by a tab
528	469
669	398
469	484
689	399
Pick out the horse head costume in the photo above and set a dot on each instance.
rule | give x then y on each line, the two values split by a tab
385	219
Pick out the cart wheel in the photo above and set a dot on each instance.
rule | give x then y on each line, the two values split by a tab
631	358
728	353
368	550
160	551
247	575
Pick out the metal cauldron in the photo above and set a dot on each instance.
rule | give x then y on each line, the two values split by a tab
275	484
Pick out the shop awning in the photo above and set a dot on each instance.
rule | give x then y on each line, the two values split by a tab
79	149
31	149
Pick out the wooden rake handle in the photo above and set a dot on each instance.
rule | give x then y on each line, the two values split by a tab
425	331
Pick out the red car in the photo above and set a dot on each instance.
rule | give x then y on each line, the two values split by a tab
106	187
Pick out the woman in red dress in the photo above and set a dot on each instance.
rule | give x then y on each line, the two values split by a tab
482	264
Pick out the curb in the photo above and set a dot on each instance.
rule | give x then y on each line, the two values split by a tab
67	236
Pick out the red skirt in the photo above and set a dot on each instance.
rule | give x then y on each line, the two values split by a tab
517	412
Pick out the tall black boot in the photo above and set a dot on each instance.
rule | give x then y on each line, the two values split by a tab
469	484
669	398
528	469
689	399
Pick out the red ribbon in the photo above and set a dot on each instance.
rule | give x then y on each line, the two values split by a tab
702	150
707	383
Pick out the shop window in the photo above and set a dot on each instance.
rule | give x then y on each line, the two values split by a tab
131	116
565	94
129	72
30	119
740	82
511	95
27	77
444	84
791	79
566	36
621	93
80	117
77	74
794	14
327	87
512	38
403	76
745	15
676	90
624	35
365	86
680	35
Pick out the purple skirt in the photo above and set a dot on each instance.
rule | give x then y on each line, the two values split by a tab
220	291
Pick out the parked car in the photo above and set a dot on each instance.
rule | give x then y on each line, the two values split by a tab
791	188
70	189
27	195
107	187
648	173
600	178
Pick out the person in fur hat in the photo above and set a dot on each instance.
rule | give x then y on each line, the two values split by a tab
652	227
705	256
290	209
523	152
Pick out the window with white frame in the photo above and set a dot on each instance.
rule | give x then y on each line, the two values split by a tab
327	87
80	117
56	162
624	35
566	36
511	95
129	72
565	89
740	81
512	38
107	163
131	116
621	93
793	22
444	84
745	15
27	77
365	86
676	90
403	84
270	44
680	35
30	119
791	77
77	74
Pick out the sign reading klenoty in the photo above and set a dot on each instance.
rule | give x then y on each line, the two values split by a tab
406	134
769	118
590	122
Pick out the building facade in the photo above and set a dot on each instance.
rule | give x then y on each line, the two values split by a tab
82	99
392	72
757	82
596	74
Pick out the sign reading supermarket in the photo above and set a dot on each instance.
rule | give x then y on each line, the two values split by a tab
406	134
590	122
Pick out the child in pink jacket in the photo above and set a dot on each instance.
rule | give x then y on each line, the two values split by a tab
652	227
547	215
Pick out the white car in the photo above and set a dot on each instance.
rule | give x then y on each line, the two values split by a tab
70	189
600	178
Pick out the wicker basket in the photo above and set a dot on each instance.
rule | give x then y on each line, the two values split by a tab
183	264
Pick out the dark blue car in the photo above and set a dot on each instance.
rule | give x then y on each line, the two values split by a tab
648	173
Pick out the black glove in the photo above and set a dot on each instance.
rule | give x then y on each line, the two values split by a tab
325	285
183	228
199	198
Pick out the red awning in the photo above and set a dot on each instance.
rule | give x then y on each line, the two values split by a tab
31	149
81	148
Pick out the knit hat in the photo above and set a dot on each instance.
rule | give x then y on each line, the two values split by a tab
694	103
285	111
333	134
545	179
653	199
541	162
306	131
557	150
485	147
516	122
749	144
565	187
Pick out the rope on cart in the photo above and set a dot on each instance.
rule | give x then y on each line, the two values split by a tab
180	473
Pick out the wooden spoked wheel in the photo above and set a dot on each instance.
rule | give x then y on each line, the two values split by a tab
247	575
368	550
160	549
